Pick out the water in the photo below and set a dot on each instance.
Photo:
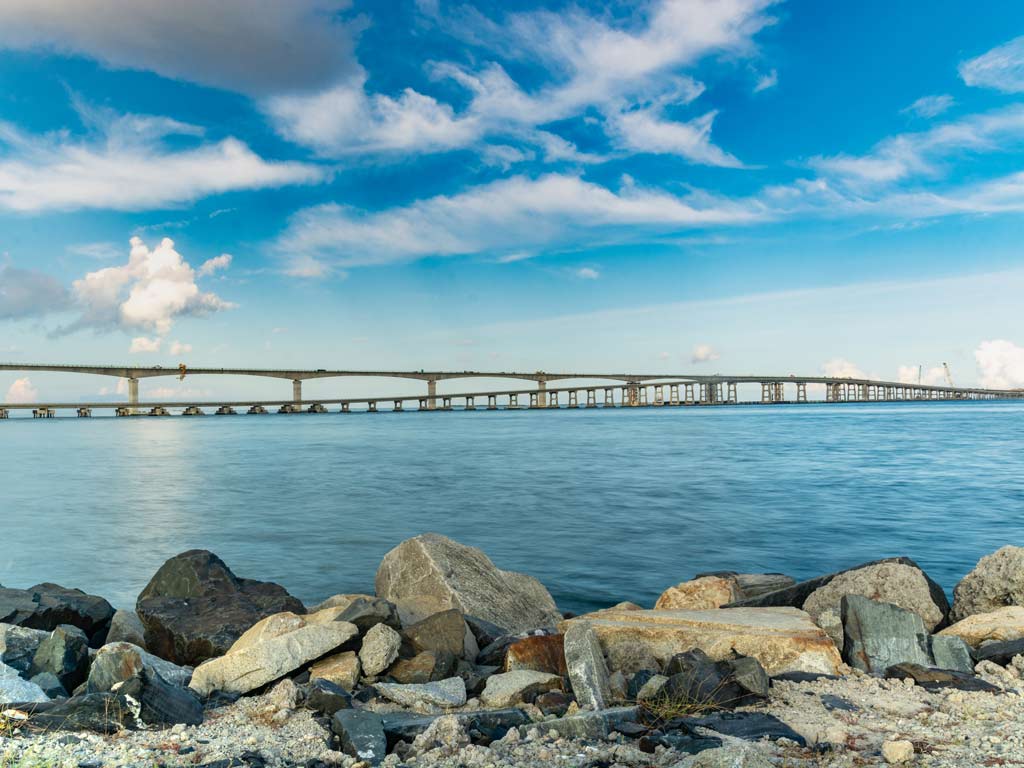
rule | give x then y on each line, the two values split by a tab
601	506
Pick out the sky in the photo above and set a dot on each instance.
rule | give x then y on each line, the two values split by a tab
677	186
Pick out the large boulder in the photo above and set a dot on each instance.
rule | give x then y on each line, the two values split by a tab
999	625
874	584
510	688
343	669
160	702
47	606
379	649
18	645
118	662
15	690
431	573
126	627
996	582
271	649
441	694
588	671
700	594
878	635
782	639
194	608
360	734
64	654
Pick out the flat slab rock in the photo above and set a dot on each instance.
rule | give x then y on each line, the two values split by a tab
782	639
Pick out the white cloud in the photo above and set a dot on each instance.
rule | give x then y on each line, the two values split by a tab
215	264
27	293
586	273
128	166
179	348
121	388
276	46
148	293
1002	68
1000	364
143	345
509	215
22	391
930	106
703	353
838	368
104	251
766	81
644	130
932	377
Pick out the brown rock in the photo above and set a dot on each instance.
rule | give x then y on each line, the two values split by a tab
541	654
781	639
700	594
1003	624
425	667
342	669
443	631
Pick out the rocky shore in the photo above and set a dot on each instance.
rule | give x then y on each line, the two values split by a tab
455	662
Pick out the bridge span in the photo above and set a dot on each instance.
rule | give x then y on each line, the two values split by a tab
630	390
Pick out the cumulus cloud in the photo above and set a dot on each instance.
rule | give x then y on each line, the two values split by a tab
179	348
143	345
281	45
27	293
932	377
703	353
22	391
930	106
838	368
1002	68
1000	364
125	164
505	216
149	293
215	264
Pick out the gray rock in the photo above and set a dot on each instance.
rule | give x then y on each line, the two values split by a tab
407	725
445	631
117	662
18	645
592	725
379	649
367	612
698	683
100	712
749	675
749	726
50	684
510	688
126	627
996	582
15	690
879	635
432	573
441	694
1000	652
64	654
588	671
426	667
651	689
732	756
160	702
936	679
361	734
484	631
48	606
951	652
326	697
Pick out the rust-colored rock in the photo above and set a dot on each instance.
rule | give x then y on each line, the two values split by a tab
699	594
540	654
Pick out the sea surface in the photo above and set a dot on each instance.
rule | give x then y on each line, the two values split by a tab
602	506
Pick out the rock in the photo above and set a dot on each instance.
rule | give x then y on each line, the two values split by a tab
380	648
592	724
696	683
749	726
47	606
364	611
342	669
442	694
618	687
126	627
117	662
587	669
445	736
484	631
284	695
494	654
99	712
798	594
443	631
897	584
64	654
1000	625
782	639
749	675
50	684
651	689
424	667
361	734
15	690
996	582
552	703
162	703
933	679
18	645
878	635
406	726
544	653
700	594
432	573
896	752
194	608
510	688
257	663
949	652
474	675
732	756
1001	653
326	697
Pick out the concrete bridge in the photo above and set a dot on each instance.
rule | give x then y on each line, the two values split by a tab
630	390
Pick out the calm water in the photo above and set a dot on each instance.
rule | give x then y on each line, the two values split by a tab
601	506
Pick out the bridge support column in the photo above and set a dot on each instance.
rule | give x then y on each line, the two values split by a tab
469	403
688	394
133	394
398	405
801	392
673	394
659	394
542	394
513	402
591	398
296	391
609	397
766	392
371	406
573	399
553	400
346	408
731	395
4	414
84	413
431	394
492	402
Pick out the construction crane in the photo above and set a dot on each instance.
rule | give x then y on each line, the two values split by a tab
949	376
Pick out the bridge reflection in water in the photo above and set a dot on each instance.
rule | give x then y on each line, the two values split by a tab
628	390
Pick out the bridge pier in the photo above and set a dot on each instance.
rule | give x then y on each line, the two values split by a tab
801	392
288	408
446	403
573	399
542	393
534	399
254	410
159	410
492	402
43	413
470	405
398	406
195	410
226	410
297	392
591	398
513	402
731	395
122	411
659	394
84	413
316	408
673	394
133	394
346	407
688	394
4	414
432	394
552	400
371	406
609	397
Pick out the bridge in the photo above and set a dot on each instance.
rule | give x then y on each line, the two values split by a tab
628	390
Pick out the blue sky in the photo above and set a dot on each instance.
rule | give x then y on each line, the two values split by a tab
672	185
